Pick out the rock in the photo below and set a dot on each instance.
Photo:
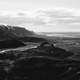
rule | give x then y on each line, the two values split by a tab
47	49
42	68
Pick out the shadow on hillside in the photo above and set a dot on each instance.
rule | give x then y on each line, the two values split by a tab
5	44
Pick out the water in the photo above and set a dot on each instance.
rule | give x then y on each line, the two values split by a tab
70	34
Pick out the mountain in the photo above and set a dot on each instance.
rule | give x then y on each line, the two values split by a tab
21	32
9	36
10	32
6	33
14	36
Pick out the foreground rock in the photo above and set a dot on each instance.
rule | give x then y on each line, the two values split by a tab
43	68
46	62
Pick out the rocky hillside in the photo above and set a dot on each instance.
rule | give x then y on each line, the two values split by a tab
22	32
18	33
8	32
8	37
45	62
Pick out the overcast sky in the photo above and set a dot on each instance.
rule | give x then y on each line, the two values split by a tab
42	15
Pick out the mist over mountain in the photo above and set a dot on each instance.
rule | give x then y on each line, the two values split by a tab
11	32
9	36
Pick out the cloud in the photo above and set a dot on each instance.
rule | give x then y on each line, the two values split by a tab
21	14
43	17
60	16
61	19
19	18
57	19
57	13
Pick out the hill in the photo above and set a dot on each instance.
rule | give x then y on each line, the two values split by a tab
9	36
14	36
45	62
8	32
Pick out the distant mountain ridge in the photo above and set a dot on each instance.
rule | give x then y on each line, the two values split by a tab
9	36
11	32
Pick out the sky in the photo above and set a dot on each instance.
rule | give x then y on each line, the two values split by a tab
42	15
